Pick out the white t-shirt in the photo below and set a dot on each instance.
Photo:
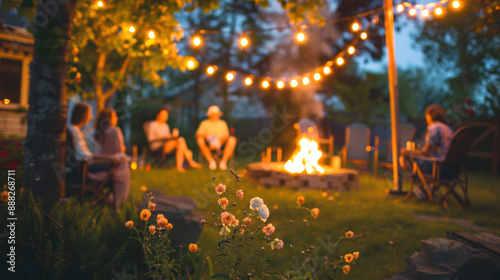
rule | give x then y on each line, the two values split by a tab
157	131
81	150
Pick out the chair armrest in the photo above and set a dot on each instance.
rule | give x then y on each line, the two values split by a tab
433	159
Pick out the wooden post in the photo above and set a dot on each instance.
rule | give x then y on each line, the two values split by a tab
393	91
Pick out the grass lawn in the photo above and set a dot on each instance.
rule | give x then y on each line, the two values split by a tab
391	231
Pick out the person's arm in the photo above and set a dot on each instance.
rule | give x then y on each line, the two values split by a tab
201	132
120	139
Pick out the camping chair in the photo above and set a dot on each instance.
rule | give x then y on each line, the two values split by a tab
357	139
309	129
158	158
407	133
446	172
78	182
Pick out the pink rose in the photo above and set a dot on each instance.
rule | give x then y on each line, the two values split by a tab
269	229
220	189
239	194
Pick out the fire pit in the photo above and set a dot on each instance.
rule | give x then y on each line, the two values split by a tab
304	171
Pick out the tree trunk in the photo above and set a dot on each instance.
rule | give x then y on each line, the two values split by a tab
46	139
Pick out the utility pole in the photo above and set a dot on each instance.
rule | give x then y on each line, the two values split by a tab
394	95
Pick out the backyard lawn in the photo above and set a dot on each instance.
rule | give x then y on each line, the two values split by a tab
390	229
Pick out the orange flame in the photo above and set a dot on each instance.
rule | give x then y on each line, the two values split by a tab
306	158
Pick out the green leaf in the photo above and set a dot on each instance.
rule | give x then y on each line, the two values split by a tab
220	275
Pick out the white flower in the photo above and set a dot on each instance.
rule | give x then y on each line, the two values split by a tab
255	203
263	212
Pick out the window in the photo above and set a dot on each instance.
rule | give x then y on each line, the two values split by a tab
10	79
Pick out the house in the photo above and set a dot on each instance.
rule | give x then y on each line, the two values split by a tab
16	53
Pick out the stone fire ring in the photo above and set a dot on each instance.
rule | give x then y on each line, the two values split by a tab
274	174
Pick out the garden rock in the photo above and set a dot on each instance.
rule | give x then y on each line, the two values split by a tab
179	211
460	256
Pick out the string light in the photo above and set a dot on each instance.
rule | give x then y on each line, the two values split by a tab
317	76
100	4
211	70
191	64
400	8
412	12
244	41
438	11
131	29
280	84
340	61
455	4
301	37
355	26
265	84
196	41
327	70
294	83
229	76
151	34
363	36
248	81
305	80
425	13
6	101
351	50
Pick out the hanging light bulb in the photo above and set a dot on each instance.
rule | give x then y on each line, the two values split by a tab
196	41
425	13
340	61
191	64
438	11
305	80
280	84
363	36
400	8
265	84
301	37
229	76
355	26
412	12
248	81
455	4
294	83
327	70
131	29
244	41
211	69
6	101
151	34
351	50
100	4
317	76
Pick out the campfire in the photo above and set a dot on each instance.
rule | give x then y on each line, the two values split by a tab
305	158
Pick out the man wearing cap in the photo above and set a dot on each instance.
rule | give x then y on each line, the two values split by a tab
213	135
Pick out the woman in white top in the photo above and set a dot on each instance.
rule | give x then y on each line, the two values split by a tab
160	138
98	163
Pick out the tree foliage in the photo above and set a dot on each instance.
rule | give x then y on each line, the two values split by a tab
463	45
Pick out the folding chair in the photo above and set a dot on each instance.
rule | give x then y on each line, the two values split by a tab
357	139
78	182
407	133
446	172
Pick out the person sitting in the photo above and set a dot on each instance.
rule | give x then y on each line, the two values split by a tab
437	140
213	135
97	163
107	139
160	138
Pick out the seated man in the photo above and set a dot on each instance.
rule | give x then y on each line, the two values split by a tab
437	140
213	135
160	138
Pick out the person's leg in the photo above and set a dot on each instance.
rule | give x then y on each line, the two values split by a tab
206	151
187	154
228	152
169	147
